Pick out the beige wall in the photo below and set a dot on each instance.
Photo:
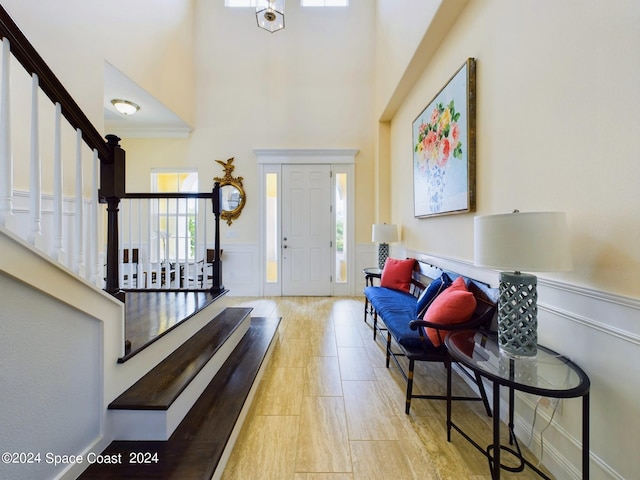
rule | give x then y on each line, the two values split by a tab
557	105
308	86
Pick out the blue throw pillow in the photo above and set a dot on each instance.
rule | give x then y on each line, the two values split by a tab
435	288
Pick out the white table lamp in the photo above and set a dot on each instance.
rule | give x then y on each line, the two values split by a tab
534	242
383	234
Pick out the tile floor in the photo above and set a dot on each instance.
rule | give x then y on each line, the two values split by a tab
327	408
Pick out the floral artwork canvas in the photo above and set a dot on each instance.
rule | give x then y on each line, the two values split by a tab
444	148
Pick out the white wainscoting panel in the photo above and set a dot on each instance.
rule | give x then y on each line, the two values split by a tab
240	269
366	257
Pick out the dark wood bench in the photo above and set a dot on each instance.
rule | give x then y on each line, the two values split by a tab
399	315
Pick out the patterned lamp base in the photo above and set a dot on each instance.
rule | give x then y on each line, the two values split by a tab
383	254
518	314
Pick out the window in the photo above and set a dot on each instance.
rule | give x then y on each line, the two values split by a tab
304	3
271	216
341	219
324	3
240	3
174	220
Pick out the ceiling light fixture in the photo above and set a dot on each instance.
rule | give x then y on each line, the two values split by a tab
270	15
125	107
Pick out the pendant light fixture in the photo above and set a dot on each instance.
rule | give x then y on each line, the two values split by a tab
270	15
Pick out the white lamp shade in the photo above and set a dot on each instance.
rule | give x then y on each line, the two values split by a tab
384	233
529	241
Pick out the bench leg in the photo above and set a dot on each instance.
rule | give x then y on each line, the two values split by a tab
483	394
366	307
375	325
409	387
388	348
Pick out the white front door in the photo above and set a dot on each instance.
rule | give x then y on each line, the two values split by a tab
306	230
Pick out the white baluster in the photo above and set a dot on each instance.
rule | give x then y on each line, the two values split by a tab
203	212
176	252
6	157
185	249
136	242
196	240
58	249
167	244
78	260
94	267
159	245
141	250
35	177
120	250
129	267
206	222
149	265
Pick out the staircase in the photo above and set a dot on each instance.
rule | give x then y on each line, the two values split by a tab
189	392
181	419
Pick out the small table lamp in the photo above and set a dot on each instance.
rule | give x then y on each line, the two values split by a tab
534	241
383	234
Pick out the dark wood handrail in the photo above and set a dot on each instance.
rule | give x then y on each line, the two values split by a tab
170	195
32	62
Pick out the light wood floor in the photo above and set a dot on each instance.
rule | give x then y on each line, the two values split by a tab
327	408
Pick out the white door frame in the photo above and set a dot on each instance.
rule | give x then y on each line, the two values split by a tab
342	161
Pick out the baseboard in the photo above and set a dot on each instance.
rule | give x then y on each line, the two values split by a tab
73	470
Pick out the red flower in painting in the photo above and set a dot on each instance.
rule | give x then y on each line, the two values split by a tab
439	139
455	133
443	152
430	142
434	116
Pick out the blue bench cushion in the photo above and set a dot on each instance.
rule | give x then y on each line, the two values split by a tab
396	309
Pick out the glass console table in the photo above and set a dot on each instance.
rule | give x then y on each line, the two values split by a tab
548	374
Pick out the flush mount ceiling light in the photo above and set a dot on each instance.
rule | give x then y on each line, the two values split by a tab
270	15
125	106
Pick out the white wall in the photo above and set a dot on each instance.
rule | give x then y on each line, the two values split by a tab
557	105
51	364
60	334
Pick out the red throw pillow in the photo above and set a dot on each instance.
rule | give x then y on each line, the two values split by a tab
397	274
455	305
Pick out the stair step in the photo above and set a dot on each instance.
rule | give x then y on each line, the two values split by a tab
199	447
153	407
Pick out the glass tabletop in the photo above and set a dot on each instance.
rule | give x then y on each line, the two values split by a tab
548	373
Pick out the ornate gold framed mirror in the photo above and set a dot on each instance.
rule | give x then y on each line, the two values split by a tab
232	193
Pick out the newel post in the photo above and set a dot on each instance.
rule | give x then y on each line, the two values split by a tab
112	189
216	200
